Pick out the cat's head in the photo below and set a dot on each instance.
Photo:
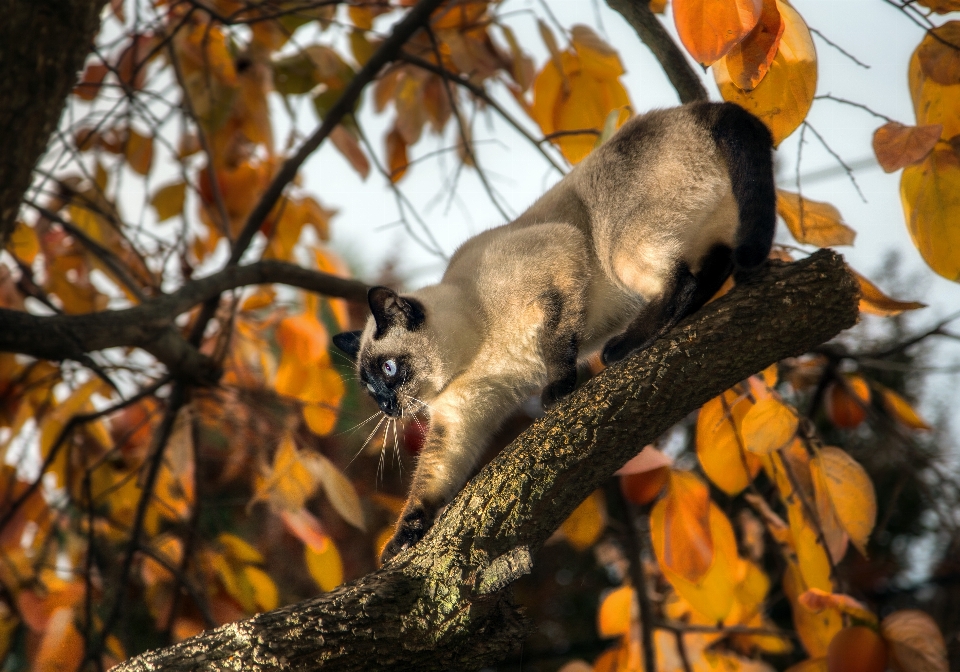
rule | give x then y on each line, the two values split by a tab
395	355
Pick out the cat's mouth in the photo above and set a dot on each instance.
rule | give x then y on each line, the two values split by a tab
386	399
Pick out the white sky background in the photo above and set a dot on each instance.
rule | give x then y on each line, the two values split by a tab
874	32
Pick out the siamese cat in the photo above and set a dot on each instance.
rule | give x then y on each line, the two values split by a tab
637	236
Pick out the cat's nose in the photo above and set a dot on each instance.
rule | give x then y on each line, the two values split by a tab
389	406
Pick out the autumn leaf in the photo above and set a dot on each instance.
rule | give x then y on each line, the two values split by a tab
930	192
851	492
815	629
897	145
785	95
139	151
749	61
397	160
23	243
614	615
289	481
647	459
874	302
90	81
325	565
941	6
901	409
813	222
916	643
584	526
710	28
834	535
933	103
769	425
816	600
720	444
168	200
687	545
574	93
62	645
339	490
939	54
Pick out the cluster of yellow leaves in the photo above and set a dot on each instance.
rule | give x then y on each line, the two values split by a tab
577	90
762	54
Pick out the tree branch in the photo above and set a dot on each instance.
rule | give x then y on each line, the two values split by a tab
48	41
652	33
149	325
441	604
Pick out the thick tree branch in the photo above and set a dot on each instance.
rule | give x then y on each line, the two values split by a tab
652	33
149	324
441	604
43	44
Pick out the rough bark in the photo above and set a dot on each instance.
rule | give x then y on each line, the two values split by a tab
443	603
658	40
43	44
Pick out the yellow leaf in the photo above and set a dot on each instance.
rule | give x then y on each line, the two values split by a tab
814	629
305	526
324	566
874	302
785	95
168	201
23	243
938	54
930	192
916	643
813	222
712	595
265	594
933	103
851	492
289	482
139	152
237	549
810	665
340	492
812	559
614	615
710	28
720	445
897	145
901	409
575	92
816	600
770	425
834	535
585	525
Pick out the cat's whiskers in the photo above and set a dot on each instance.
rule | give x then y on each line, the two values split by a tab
373	433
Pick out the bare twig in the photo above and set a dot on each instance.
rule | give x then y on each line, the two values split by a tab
836	99
654	35
838	48
846	168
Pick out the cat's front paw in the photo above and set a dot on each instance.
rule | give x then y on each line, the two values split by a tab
410	530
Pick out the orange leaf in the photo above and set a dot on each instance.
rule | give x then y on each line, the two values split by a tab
750	60
325	566
397	161
930	192
941	6
785	95
585	525
614	615
897	145
139	152
687	542
813	222
816	600
851	492
89	85
710	28
720	445
915	641
770	425
61	648
304	526
347	145
901	409
23	243
874	302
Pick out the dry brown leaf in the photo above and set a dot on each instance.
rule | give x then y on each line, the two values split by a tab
915	641
813	222
851	492
897	145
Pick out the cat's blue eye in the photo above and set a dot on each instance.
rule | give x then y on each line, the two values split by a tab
390	368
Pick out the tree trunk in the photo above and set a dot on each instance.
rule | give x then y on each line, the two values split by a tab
443	604
43	44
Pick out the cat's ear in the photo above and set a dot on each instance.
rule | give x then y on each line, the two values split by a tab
392	310
348	342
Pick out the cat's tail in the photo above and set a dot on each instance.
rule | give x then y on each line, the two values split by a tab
746	145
